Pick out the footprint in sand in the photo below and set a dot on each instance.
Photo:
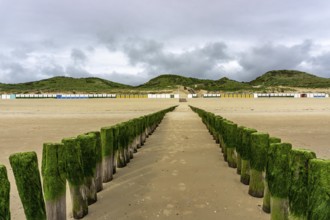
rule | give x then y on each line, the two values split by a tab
173	152
170	206
182	186
173	162
165	158
200	206
167	212
188	212
175	173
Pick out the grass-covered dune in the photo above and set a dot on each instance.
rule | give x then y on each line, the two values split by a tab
290	78
170	83
65	84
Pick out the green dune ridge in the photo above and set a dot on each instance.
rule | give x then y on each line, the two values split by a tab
170	83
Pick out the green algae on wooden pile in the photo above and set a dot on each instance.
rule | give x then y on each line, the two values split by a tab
231	144
54	180
319	189
298	192
87	144
75	176
278	170
266	199
74	166
4	194
107	142
259	147
238	148
27	177
278	178
53	170
98	157
245	155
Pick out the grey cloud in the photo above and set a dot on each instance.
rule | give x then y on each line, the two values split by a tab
53	70
125	78
90	49
142	51
20	53
320	64
75	71
269	56
198	62
17	71
215	51
154	28
13	72
78	56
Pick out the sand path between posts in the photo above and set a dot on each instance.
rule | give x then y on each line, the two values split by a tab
178	174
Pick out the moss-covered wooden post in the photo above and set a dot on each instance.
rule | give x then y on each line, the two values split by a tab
259	147
217	128
134	142
75	177
152	123
115	147
225	138
221	133
238	148
87	146
231	144
278	177
298	192
107	153
213	127
139	131
146	130
131	147
210	123
27	177
216	131
142	136
266	199
130	140
121	162
319	189
4	194
137	135
125	140
54	180
99	165
274	140
245	155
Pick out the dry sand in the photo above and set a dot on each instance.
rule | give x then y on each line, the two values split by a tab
179	173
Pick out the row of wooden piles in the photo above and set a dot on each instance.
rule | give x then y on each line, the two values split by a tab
294	184
85	162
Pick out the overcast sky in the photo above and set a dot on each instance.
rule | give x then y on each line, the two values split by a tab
131	41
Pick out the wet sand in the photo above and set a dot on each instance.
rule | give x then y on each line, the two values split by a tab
179	173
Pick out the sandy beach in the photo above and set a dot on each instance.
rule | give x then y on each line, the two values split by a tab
27	124
179	173
305	123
